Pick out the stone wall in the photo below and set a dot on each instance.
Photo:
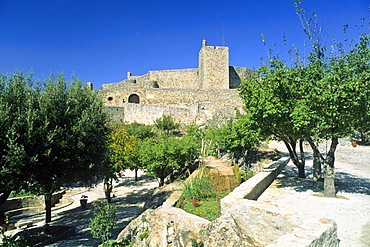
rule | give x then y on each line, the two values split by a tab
211	87
214	67
173	98
180	78
187	106
243	222
29	201
238	74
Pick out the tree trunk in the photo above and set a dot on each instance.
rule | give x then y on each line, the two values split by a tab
136	174
108	190
316	167
4	195
317	160
47	196
161	182
293	155
329	182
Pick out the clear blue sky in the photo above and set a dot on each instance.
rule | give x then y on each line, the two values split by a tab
100	40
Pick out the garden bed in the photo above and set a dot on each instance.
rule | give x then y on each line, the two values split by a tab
201	195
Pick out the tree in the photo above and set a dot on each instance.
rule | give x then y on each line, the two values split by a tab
338	92
17	100
341	102
323	96
122	155
271	100
166	124
59	136
164	154
140	131
238	137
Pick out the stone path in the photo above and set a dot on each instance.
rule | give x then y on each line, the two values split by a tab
130	197
351	210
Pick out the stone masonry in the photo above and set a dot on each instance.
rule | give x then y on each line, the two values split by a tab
191	96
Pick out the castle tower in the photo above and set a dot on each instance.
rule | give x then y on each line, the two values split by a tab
213	67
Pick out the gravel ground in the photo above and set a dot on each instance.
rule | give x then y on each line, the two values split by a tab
350	210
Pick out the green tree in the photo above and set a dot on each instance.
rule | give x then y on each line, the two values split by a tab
337	92
17	114
271	100
340	103
238	136
161	156
166	124
140	131
58	133
122	155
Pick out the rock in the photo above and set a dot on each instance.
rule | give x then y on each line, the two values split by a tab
225	232
164	226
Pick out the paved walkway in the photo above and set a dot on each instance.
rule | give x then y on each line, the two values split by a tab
130	197
351	210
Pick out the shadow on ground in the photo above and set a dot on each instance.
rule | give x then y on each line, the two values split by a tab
143	179
129	206
344	182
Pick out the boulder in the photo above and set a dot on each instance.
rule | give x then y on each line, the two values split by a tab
164	226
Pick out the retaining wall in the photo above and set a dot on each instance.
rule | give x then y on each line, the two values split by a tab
29	201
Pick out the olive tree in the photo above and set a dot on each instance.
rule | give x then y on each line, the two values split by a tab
56	133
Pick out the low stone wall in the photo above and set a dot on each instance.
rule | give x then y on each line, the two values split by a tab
256	185
243	221
269	225
29	201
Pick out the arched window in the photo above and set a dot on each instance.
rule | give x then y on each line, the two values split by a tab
134	98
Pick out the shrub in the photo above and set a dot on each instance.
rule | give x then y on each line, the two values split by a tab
104	221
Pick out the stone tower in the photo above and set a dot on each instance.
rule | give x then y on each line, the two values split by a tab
213	67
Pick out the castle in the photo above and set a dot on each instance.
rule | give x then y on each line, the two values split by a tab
191	96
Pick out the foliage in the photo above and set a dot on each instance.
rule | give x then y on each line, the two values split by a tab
161	156
104	221
324	95
122	150
112	243
238	136
140	131
20	194
10	242
201	194
166	124
52	133
199	186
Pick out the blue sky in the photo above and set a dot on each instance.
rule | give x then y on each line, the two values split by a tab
100	40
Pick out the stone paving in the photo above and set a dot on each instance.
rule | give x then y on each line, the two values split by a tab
130	197
351	210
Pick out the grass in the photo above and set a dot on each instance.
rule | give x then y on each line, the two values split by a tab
202	194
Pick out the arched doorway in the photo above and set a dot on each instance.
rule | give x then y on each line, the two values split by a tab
134	98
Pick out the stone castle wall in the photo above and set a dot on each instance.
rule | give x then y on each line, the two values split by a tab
187	106
190	95
180	78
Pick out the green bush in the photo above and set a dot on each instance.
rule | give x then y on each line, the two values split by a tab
104	221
